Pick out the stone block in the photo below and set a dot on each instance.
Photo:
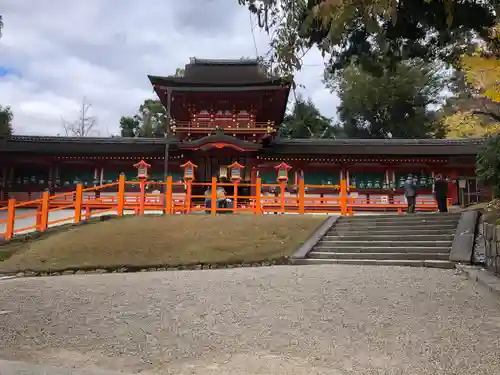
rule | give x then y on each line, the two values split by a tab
488	231
487	248
463	243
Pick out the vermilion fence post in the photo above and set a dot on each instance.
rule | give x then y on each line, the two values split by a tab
44	212
213	206
235	197
258	189
38	216
189	193
78	203
11	219
282	196
121	195
302	194
168	196
142	197
343	197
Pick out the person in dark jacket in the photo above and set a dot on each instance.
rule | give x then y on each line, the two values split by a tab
441	193
411	194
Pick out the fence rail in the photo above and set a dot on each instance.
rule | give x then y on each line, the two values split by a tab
85	203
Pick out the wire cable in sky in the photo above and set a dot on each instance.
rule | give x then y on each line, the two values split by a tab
252	30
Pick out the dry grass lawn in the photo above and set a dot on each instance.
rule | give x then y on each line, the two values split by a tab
165	240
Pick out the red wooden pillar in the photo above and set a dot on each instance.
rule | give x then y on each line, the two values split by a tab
390	182
452	187
253	181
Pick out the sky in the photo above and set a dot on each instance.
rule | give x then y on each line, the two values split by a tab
55	53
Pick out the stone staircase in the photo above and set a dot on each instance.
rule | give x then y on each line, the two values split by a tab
420	240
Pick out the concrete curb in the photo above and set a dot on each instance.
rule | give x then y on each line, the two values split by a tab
281	261
2	278
482	277
317	235
462	247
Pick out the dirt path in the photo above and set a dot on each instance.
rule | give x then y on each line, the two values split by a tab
278	320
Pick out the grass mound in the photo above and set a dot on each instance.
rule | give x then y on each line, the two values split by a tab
165	240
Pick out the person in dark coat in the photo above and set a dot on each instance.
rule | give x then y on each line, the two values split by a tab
411	194
441	193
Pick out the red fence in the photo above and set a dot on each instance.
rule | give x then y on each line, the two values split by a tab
85	203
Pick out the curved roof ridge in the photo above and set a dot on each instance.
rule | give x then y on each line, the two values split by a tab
62	139
392	141
198	61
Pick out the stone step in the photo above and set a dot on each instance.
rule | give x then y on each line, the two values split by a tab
383	249
423	236
378	262
424	216
400	219
381	256
400	232
386	226
407	242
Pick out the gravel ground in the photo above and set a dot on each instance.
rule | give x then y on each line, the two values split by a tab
275	320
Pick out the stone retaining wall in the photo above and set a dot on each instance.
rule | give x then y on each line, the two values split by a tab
492	247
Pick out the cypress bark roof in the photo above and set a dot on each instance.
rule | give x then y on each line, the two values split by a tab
349	146
202	72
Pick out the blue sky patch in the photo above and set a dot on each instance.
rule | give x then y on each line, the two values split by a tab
4	71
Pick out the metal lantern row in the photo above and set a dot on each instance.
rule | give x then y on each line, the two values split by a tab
236	168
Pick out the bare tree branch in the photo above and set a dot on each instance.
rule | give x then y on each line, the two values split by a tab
84	125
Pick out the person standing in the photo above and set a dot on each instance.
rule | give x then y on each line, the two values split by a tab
411	194
441	193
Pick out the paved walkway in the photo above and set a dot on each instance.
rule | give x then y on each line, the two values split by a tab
276	320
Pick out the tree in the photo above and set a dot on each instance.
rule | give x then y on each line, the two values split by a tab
488	164
306	121
6	117
394	104
84	125
150	121
371	31
1	25
467	124
468	113
482	69
130	126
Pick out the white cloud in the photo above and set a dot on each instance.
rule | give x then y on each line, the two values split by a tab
60	51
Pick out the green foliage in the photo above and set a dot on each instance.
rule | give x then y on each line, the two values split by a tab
488	164
148	122
306	121
394	103
6	117
374	32
130	126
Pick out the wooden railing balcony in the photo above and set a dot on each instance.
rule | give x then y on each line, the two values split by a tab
249	127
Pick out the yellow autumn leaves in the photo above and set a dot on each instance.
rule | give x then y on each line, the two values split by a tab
482	71
467	124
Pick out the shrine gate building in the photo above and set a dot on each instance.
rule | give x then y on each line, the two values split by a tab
225	111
